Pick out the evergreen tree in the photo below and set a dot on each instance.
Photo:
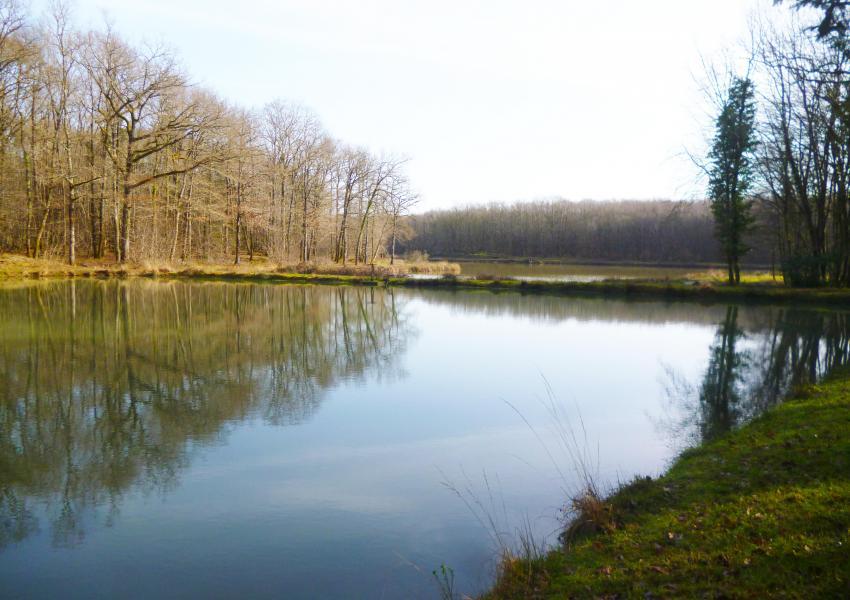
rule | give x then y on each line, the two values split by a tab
730	173
836	16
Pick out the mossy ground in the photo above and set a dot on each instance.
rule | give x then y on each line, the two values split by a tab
762	512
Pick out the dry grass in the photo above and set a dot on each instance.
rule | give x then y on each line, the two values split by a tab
432	267
14	267
378	269
591	514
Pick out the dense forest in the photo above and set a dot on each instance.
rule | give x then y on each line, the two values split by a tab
108	150
658	231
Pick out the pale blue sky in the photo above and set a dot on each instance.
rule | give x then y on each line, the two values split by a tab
493	100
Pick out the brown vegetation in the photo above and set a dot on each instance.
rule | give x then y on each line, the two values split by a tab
14	267
106	149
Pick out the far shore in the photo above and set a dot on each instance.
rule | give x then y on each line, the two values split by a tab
703	286
591	262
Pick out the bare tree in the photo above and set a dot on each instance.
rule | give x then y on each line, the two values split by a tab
108	148
399	202
146	99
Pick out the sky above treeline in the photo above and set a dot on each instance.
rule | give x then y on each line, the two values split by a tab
492	100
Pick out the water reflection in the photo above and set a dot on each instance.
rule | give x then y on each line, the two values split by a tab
556	309
751	371
720	393
107	386
111	392
758	355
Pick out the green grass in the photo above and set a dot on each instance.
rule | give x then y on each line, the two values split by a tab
672	289
762	512
718	276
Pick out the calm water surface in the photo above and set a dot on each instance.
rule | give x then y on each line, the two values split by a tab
167	439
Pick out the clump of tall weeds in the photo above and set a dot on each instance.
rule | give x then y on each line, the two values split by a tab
519	550
521	568
523	574
589	514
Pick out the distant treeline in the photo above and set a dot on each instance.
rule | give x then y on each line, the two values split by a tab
656	231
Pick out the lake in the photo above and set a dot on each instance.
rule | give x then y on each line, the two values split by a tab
167	439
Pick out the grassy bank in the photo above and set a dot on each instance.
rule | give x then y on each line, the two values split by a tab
484	257
700	286
672	289
762	512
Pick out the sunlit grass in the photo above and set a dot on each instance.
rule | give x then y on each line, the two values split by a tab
20	267
718	276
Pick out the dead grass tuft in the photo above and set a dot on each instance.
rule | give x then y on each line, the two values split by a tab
591	514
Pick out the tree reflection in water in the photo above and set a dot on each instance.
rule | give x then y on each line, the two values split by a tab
106	386
749	372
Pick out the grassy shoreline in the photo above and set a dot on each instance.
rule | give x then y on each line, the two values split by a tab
671	290
587	262
16	267
762	512
700	288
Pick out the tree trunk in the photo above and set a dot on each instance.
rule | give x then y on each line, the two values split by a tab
124	236
176	235
238	221
392	245
30	192
304	247
71	224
